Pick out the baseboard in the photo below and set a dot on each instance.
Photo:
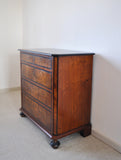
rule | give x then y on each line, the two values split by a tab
9	89
107	141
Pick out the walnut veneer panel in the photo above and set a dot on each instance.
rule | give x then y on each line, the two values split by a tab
45	62
27	58
38	75
35	109
37	60
45	97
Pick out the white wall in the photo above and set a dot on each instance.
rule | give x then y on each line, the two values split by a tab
88	25
10	40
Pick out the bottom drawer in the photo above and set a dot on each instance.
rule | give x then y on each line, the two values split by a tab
38	113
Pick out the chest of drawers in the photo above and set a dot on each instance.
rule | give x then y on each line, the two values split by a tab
56	91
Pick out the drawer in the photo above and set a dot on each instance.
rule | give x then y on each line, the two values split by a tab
35	110
38	75
42	61
37	60
27	58
45	97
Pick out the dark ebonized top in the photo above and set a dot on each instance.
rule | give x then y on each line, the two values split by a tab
54	52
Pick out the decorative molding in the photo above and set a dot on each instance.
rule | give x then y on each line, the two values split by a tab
107	141
9	89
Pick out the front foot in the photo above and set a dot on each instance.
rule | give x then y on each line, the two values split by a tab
54	144
86	132
22	114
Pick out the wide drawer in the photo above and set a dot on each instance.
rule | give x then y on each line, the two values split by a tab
38	75
38	113
42	95
37	60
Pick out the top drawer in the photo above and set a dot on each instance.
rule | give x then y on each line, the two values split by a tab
27	58
45	62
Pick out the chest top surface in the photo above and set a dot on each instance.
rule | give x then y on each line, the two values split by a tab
54	52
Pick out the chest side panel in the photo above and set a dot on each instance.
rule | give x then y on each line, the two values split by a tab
74	91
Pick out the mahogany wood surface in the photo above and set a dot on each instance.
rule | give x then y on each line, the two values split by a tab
74	92
55	95
56	92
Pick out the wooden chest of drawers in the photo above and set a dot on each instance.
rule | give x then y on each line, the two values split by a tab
56	91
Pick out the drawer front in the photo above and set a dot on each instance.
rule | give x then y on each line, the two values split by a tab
27	58
38	75
38	113
45	62
27	71
45	97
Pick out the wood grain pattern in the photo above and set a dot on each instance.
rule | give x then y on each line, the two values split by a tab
40	76
46	62
74	95
56	92
55	95
38	93
27	58
37	60
35	110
